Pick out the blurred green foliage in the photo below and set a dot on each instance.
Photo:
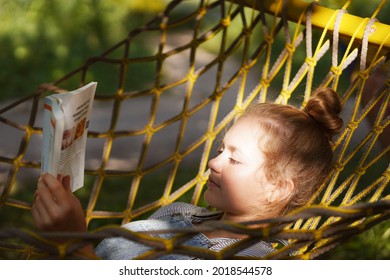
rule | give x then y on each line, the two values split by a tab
373	244
42	40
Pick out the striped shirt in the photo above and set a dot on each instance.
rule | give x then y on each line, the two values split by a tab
195	215
163	223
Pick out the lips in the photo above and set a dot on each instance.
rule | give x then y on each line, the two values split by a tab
212	183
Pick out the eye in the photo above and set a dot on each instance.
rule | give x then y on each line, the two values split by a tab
233	161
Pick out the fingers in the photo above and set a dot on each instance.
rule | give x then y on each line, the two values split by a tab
51	182
48	202
55	206
56	192
45	206
40	215
60	189
47	194
66	182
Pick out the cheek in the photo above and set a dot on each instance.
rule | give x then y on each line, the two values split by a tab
259	176
253	176
241	186
234	180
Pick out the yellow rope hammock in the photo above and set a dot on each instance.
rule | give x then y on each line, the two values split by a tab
150	143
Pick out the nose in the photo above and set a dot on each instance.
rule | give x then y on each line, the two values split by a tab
214	164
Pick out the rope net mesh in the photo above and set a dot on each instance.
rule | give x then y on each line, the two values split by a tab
204	62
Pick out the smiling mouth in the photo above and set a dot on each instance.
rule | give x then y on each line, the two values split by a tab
212	183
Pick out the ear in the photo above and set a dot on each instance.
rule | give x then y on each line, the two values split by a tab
282	190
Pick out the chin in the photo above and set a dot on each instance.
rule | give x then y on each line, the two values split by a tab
209	198
212	199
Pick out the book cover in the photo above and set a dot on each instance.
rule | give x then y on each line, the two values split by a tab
65	127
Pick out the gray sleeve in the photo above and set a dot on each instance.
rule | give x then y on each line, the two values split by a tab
181	208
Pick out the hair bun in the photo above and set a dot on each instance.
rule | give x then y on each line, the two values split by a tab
324	107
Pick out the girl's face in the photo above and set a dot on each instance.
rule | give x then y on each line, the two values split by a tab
236	184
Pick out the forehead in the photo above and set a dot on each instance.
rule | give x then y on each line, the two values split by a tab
243	134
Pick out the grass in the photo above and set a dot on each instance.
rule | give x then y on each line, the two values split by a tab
372	244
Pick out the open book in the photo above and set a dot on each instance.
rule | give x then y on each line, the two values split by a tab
65	125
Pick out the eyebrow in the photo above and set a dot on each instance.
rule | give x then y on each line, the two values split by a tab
233	149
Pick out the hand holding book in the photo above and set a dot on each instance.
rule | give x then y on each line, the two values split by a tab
66	120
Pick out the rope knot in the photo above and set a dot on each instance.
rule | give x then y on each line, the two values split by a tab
336	70
163	25
285	94
202	11
225	22
201	179
157	91
290	49
192	77
186	115
139	173
150	130
378	129
353	125
364	75
217	95
245	67
265	83
311	61
269	39
125	60
247	31
360	171
210	135
238	109
178	157
339	166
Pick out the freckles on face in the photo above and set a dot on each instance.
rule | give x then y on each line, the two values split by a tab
234	185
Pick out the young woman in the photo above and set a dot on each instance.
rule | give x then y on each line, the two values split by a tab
271	161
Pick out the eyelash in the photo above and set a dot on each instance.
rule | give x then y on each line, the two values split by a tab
231	160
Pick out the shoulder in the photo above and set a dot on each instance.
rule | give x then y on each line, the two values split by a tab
179	208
